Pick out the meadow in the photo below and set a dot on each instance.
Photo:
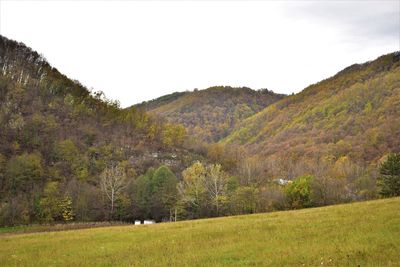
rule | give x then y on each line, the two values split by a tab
357	234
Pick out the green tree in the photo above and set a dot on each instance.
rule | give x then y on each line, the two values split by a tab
164	193
142	194
122	207
68	157
24	171
389	180
245	200
49	204
3	162
298	192
232	184
66	151
173	135
192	188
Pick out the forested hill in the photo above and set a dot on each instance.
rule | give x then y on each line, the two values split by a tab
67	153
355	113
56	136
212	113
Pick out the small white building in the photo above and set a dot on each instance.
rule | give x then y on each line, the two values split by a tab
137	222
149	222
281	181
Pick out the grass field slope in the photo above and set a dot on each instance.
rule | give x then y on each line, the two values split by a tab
359	234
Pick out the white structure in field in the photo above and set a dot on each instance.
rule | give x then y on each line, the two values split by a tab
137	222
281	181
149	222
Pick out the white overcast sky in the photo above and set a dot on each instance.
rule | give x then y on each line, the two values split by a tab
139	50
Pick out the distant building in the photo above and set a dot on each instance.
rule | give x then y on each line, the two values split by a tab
137	222
149	222
282	181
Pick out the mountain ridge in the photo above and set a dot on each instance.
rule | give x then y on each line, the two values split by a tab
349	92
211	113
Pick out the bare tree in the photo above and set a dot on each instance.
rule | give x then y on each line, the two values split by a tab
112	183
251	170
216	183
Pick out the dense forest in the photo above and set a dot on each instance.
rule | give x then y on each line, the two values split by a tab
57	138
211	114
71	154
354	113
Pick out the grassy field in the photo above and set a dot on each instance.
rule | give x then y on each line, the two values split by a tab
56	227
359	234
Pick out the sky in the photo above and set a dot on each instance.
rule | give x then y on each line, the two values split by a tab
139	50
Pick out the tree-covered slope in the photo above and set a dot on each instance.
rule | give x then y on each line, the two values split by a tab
354	113
57	137
211	114
62	146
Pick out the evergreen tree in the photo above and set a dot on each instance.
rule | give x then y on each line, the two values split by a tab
389	181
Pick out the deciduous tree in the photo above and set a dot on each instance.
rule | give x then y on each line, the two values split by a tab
298	192
112	183
216	183
192	187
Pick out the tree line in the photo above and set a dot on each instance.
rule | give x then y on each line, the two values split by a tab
202	190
